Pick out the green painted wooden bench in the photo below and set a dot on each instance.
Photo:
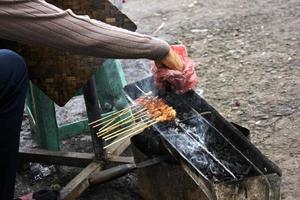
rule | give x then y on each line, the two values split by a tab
110	81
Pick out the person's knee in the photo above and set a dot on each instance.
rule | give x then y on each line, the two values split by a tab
12	66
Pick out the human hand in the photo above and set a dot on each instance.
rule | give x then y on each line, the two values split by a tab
180	81
172	61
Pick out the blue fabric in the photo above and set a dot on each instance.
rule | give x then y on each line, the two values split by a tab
13	86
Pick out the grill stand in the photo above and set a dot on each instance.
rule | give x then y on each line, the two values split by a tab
171	181
81	182
93	163
191	180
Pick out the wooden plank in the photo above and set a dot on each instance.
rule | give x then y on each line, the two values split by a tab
94	111
111	174
55	157
80	183
120	159
118	148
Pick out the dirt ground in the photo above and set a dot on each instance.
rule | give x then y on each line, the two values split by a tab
248	64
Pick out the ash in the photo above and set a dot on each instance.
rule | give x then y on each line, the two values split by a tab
204	149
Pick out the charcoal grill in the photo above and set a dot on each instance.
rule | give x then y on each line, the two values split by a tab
211	155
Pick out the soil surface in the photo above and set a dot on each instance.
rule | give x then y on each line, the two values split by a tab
248	63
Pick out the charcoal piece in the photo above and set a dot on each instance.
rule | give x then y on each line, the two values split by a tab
190	137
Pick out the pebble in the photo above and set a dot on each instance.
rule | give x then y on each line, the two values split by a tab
199	30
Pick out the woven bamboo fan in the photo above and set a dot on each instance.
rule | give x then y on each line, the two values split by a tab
60	74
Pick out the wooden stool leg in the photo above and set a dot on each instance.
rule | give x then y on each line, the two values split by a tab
43	113
110	80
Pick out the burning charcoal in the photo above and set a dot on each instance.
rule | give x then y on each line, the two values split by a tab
172	131
214	170
185	115
247	171
194	129
190	132
192	119
200	160
215	179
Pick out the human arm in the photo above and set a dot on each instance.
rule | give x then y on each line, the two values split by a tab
37	22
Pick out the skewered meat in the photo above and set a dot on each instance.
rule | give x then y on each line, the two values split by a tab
157	108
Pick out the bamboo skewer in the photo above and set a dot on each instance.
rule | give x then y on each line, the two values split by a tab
124	121
132	134
108	132
118	131
110	120
106	125
124	132
143	113
130	108
113	113
113	135
120	113
107	116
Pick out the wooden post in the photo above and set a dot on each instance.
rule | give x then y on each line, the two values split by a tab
49	157
94	111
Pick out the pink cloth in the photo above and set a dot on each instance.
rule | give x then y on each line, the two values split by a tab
27	196
179	81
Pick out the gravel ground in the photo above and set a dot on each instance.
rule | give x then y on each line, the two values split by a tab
248	63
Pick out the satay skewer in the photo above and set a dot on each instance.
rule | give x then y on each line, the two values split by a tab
148	111
105	127
124	121
132	134
138	103
134	105
105	135
112	113
109	121
125	111
110	131
113	135
142	116
163	113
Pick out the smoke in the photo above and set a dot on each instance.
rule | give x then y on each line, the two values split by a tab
189	142
195	139
200	144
